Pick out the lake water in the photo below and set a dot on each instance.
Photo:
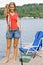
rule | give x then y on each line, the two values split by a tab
29	27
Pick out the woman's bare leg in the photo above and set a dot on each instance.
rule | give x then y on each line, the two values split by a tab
9	42
15	49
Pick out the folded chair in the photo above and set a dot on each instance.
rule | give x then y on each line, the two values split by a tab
36	46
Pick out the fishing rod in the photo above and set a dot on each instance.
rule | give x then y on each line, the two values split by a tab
21	47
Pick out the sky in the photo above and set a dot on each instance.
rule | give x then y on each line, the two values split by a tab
19	2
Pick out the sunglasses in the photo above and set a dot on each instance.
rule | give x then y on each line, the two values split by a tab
11	7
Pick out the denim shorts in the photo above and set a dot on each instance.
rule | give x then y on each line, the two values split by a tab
13	34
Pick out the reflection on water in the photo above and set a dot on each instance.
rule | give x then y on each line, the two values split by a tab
29	28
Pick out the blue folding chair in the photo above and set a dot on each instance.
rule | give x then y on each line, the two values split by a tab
36	46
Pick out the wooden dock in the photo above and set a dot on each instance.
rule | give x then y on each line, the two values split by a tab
38	60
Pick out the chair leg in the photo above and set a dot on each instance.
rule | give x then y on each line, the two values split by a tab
21	61
34	55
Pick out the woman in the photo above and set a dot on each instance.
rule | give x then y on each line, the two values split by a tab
13	30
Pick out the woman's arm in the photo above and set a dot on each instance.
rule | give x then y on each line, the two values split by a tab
5	12
6	16
18	24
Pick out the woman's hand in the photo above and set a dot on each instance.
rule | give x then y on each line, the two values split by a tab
8	28
20	30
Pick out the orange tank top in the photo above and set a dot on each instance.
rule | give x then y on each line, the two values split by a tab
13	21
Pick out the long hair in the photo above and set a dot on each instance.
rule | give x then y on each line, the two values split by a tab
12	3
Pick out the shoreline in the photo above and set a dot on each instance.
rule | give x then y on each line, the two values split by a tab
24	18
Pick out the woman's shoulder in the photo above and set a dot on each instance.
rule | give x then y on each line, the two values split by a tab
16	13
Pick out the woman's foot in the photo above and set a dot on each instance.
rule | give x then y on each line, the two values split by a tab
14	61
6	61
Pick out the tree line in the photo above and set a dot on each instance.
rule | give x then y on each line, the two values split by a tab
28	10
